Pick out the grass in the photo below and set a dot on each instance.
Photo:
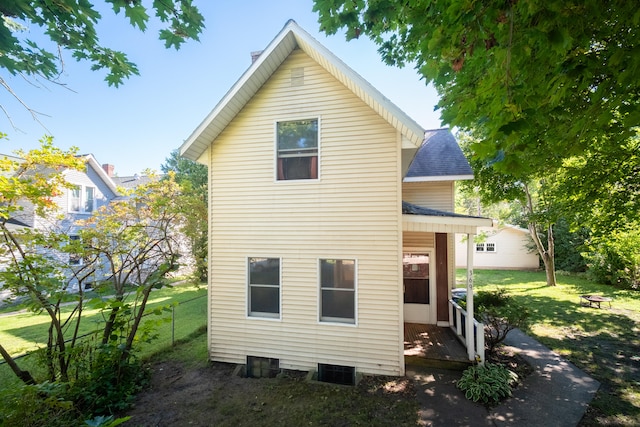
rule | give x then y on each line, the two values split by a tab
25	332
603	342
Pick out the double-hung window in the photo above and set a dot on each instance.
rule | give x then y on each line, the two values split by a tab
297	145
74	198
89	199
338	290
264	287
82	199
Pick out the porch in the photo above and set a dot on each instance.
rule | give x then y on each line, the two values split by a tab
433	346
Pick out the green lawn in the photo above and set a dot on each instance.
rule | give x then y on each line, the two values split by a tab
603	342
25	332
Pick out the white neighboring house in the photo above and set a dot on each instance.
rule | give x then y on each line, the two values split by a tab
92	188
505	247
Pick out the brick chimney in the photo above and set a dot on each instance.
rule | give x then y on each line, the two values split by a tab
108	169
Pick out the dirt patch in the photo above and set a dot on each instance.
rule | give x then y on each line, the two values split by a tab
212	395
182	395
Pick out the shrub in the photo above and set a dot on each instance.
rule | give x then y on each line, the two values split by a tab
614	259
111	384
500	314
37	405
488	384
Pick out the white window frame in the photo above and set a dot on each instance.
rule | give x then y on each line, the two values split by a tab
277	152
82	199
338	320
490	247
259	314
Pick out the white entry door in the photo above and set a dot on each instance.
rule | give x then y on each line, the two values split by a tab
419	288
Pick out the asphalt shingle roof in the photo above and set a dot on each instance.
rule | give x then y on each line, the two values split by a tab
439	156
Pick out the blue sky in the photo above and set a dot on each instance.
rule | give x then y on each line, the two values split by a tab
136	126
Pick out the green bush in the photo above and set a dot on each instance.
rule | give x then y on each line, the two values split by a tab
614	259
37	405
111	383
488	384
500	314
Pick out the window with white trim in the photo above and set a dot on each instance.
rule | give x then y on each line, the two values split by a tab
82	199
264	287
486	247
297	146
338	290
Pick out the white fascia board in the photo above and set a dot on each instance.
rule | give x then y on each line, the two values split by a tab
290	37
461	221
102	174
438	178
239	94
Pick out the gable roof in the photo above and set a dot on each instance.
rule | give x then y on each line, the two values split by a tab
93	163
439	158
293	37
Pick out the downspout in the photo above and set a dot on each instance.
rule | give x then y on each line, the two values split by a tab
469	330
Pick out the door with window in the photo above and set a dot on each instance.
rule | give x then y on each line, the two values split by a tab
419	288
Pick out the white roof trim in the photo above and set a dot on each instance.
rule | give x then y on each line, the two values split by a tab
437	178
101	172
433	223
291	37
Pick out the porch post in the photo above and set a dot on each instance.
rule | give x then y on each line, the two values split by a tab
470	338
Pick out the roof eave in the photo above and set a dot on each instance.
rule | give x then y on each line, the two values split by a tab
438	178
291	37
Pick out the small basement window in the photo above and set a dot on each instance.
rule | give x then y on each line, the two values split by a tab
336	374
262	367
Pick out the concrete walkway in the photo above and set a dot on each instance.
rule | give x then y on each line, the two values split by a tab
556	394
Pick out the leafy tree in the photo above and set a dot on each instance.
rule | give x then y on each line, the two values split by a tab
537	81
601	186
72	26
193	180
30	182
131	243
531	194
134	242
614	258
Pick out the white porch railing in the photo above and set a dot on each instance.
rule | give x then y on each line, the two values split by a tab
458	322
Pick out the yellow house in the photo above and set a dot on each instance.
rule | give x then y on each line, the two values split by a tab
314	235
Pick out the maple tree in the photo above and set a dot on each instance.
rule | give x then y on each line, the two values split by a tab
537	82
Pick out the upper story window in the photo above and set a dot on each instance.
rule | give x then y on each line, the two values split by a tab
264	287
82	199
338	290
297	149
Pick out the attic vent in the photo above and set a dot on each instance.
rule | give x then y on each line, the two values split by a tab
297	76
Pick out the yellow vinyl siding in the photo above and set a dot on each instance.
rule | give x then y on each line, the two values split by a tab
414	240
434	195
350	212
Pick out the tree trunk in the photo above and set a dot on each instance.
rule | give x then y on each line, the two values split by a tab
25	376
547	254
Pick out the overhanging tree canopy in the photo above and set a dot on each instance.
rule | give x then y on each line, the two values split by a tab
539	77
